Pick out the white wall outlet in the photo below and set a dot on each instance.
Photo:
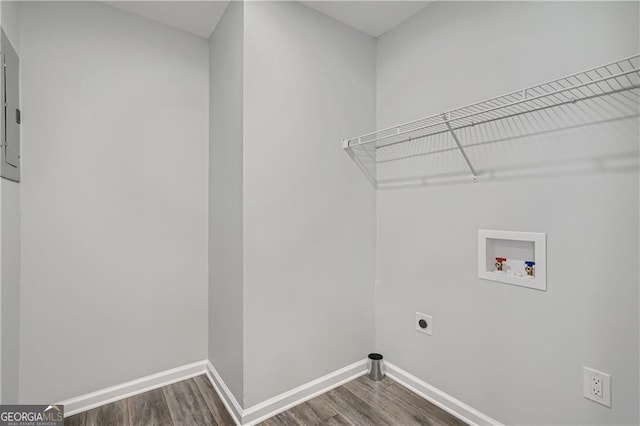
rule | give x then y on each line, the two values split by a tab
597	386
424	323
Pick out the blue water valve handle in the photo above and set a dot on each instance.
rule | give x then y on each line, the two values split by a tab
529	263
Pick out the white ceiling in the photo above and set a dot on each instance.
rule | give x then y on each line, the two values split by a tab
197	17
372	17
201	17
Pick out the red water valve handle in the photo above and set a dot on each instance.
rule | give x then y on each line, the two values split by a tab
501	259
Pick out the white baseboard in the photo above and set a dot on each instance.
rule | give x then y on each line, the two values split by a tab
134	387
229	401
279	403
286	400
437	397
273	406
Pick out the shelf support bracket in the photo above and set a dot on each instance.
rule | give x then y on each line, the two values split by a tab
460	147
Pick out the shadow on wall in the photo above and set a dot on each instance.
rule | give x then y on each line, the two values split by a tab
619	163
605	146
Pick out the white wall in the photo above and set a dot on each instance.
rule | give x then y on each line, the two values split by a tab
10	289
114	198
515	354
225	198
309	214
10	248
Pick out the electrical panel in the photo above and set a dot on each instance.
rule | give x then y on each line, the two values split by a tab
10	152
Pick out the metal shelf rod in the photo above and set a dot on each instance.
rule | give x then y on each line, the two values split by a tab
462	151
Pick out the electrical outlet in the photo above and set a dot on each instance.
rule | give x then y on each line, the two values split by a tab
424	323
597	386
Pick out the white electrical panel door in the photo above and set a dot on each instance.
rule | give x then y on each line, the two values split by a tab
10	112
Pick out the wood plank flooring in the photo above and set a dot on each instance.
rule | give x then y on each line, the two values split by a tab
363	402
193	402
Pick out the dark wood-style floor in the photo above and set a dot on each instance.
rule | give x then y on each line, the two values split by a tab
190	402
194	402
364	402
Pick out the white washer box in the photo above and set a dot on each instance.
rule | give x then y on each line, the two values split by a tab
517	248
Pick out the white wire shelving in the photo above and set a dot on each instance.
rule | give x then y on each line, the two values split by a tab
610	90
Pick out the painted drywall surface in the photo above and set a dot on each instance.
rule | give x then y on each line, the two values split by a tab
10	289
114	198
10	249
309	228
11	23
225	198
515	354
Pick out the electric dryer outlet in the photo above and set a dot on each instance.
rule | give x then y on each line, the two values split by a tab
424	323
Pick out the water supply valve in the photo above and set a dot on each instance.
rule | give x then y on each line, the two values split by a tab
529	268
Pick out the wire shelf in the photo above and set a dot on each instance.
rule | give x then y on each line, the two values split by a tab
609	90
